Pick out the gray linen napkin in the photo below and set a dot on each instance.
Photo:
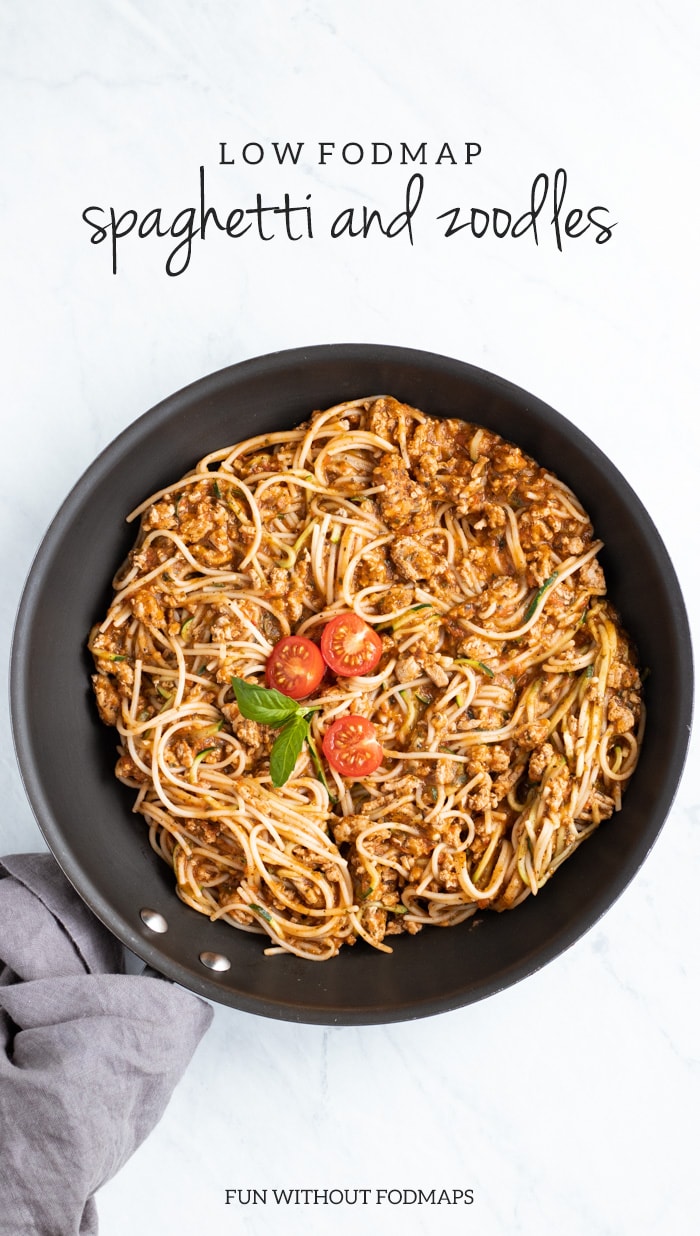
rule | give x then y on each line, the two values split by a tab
89	1056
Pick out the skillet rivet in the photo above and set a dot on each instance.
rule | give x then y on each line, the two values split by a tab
215	961
154	920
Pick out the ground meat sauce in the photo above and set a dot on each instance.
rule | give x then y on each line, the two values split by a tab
507	697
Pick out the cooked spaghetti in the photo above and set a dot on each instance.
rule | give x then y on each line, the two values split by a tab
506	698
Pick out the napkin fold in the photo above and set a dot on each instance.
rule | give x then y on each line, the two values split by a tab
89	1055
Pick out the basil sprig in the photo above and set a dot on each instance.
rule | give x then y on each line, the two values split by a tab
271	707
285	751
263	704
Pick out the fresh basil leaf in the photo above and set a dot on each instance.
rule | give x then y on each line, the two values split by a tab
263	704
286	749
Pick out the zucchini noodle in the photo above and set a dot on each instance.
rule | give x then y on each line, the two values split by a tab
507	698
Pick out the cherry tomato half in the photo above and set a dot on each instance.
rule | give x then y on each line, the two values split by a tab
350	745
350	646
295	667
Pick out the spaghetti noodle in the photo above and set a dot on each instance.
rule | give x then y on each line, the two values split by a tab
506	698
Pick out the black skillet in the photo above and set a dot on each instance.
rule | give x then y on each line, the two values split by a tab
67	756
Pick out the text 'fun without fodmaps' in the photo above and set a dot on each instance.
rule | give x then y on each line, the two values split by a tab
349	1197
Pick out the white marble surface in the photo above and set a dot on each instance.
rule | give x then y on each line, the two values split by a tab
568	1103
